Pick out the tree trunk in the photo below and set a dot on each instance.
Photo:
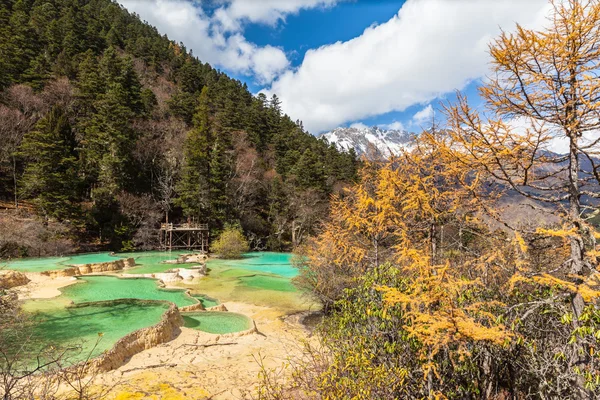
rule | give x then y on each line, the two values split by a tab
376	245
577	247
433	240
14	160
577	253
575	210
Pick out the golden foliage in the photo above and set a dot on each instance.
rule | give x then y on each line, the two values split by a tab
588	289
521	291
440	312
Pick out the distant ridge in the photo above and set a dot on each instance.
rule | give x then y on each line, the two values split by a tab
372	142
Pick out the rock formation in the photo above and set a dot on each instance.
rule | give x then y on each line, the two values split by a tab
84	269
11	279
189	258
139	341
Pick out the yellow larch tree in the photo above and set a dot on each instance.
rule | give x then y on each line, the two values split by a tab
544	93
544	89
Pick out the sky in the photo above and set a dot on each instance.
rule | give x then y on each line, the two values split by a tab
347	62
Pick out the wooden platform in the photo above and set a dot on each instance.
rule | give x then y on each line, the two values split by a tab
184	236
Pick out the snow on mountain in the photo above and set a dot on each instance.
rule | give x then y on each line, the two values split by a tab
374	142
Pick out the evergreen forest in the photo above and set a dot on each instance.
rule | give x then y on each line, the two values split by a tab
109	128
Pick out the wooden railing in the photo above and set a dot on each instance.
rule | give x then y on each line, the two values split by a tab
171	227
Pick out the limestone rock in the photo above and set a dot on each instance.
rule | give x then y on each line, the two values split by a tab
140	340
192	258
12	279
84	269
220	307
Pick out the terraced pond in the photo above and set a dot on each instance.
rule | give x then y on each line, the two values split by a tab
102	288
258	278
261	278
79	327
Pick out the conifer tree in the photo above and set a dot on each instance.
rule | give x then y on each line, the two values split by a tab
51	176
193	188
219	171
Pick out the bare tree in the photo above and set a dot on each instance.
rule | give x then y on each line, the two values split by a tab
19	113
143	214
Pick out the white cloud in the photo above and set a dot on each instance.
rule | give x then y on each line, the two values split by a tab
429	48
423	116
268	12
558	142
219	39
396	126
268	62
358	125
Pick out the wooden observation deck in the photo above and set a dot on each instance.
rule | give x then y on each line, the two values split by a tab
184	236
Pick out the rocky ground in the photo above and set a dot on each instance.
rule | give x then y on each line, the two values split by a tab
197	365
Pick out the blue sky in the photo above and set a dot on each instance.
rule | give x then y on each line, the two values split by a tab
342	62
317	27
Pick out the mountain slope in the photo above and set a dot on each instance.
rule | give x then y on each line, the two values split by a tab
139	130
373	142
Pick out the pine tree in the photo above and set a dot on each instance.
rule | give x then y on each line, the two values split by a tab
51	175
193	188
219	168
109	138
309	171
90	84
4	43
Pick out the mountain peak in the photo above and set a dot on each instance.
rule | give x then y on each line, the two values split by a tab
373	142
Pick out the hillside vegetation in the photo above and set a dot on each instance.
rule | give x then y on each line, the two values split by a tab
108	128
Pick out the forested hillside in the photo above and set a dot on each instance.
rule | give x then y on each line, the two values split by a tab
109	128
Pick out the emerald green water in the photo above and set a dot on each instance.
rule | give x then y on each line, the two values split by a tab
36	264
258	278
216	322
263	282
92	258
263	262
80	326
51	263
148	262
206	301
101	288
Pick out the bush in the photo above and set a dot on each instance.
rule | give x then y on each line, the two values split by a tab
231	243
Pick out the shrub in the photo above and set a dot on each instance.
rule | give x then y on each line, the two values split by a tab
231	244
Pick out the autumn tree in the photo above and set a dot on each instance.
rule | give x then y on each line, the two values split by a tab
544	89
406	318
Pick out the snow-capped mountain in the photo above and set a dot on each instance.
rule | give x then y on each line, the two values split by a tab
374	142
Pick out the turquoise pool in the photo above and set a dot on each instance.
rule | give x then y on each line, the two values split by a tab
101	288
217	322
